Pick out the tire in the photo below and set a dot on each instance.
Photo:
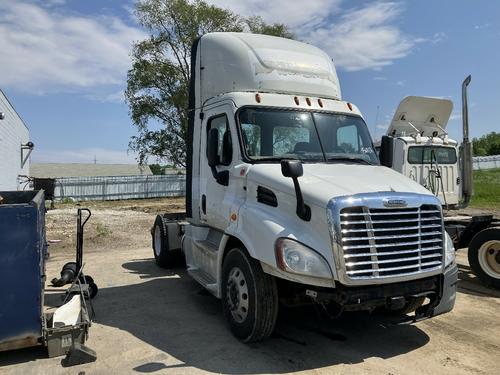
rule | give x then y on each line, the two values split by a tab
93	289
484	256
164	257
251	318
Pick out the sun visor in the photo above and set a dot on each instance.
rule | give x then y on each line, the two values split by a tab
426	114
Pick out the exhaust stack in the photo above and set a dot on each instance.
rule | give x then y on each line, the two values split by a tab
466	150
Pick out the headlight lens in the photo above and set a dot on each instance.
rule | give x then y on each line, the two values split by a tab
292	256
449	251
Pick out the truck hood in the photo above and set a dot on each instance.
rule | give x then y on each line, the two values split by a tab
322	182
424	113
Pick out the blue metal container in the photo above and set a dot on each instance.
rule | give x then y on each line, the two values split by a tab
23	250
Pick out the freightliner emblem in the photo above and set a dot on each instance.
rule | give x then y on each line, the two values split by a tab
395	203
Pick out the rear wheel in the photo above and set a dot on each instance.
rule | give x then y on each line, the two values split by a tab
164	257
484	256
249	297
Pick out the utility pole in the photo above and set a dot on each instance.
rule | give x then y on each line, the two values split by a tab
376	123
95	159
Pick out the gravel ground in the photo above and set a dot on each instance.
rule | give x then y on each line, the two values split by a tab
154	321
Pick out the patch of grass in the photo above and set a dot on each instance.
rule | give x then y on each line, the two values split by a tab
486	189
102	230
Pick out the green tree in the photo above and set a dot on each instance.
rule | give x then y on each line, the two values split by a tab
157	84
157	169
488	144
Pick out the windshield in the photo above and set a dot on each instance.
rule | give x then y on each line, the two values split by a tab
428	154
270	134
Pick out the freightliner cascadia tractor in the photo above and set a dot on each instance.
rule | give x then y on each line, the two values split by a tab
286	199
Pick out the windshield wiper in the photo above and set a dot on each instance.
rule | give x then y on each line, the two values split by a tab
349	158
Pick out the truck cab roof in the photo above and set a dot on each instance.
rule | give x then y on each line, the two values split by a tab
244	62
299	102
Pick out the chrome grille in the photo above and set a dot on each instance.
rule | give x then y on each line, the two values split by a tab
384	243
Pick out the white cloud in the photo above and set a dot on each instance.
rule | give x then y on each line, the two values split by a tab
364	38
439	37
379	78
296	14
114	97
482	26
44	51
357	39
86	155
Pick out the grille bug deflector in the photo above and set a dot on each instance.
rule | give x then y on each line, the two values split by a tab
376	240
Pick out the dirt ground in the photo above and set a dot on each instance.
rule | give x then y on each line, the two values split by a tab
150	320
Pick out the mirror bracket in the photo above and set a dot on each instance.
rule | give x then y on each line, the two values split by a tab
293	169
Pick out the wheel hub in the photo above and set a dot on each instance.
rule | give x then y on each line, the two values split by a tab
237	295
157	241
489	258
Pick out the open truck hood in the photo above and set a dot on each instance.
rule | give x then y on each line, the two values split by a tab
425	113
321	182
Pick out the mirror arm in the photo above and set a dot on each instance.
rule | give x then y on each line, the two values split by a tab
221	177
303	211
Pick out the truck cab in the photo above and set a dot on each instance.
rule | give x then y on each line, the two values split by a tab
417	145
421	148
286	199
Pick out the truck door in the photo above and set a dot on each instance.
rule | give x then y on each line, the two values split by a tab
215	197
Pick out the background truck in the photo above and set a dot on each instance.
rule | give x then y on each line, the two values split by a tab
286	201
417	145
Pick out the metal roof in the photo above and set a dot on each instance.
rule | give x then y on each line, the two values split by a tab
52	170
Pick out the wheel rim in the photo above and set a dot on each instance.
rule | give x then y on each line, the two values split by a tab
237	295
157	246
489	258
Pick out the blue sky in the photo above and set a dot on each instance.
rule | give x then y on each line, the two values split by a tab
63	63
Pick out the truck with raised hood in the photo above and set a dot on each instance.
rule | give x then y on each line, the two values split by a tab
286	201
418	146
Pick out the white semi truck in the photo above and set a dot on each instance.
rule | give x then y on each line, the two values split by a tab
286	199
417	145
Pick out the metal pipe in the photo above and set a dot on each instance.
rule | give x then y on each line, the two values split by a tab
466	149
465	109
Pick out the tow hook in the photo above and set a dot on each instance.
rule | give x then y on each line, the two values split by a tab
396	303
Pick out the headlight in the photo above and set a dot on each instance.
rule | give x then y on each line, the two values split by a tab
449	250
292	256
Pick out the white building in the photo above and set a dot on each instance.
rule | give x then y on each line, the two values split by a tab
14	147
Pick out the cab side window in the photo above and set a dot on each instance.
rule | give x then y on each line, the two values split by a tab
225	150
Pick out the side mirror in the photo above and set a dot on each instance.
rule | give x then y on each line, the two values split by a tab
291	168
386	151
213	148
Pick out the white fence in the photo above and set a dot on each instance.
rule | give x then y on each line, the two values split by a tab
486	162
122	187
170	185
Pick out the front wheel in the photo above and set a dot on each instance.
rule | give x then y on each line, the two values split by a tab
249	297
484	256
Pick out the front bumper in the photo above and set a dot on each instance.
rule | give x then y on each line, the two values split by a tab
440	290
449	291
